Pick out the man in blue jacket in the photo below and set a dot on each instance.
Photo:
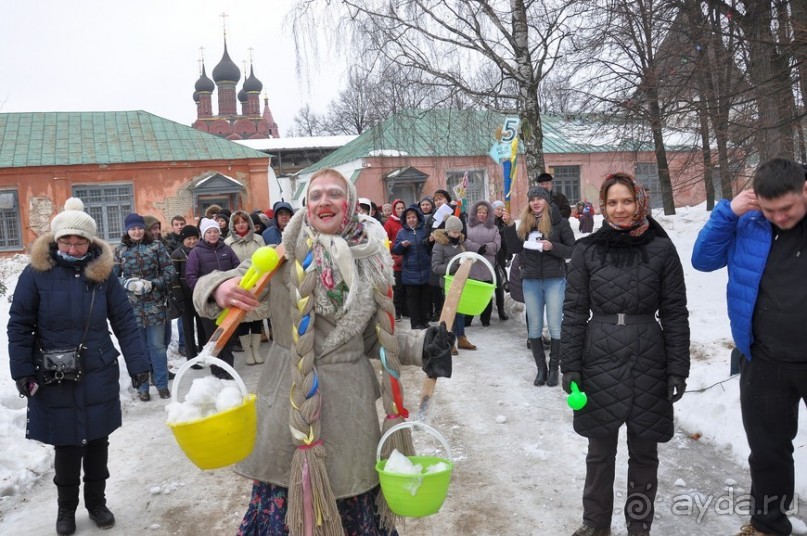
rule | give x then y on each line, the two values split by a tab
761	235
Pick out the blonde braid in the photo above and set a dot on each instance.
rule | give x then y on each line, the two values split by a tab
395	412
312	506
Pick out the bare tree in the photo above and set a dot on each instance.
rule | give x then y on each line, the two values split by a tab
306	123
494	53
620	74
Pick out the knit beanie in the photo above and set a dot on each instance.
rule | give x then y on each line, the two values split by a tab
537	191
453	223
207	224
133	220
224	213
498	204
188	231
73	221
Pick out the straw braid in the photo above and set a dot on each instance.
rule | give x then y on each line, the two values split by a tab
312	507
391	386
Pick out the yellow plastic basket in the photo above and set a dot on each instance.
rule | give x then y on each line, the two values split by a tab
476	294
221	439
430	489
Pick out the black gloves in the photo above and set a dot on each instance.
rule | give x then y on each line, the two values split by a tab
568	378
482	249
437	351
27	386
139	379
676	385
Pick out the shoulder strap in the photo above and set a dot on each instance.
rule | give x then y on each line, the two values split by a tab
89	317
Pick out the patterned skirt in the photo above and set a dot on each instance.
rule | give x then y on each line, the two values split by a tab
266	514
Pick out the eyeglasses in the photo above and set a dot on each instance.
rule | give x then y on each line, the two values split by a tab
78	244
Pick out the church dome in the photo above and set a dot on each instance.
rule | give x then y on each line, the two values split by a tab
252	84
195	96
204	83
226	70
242	96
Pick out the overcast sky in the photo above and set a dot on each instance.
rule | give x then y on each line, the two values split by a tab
98	55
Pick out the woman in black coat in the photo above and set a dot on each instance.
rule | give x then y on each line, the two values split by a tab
64	300
626	345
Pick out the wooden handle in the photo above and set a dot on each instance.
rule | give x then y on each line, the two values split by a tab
235	316
446	315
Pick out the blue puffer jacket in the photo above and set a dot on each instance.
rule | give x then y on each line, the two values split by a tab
50	309
741	243
416	267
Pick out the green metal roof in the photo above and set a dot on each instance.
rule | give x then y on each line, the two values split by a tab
454	133
71	138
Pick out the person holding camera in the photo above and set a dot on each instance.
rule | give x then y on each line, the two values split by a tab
64	362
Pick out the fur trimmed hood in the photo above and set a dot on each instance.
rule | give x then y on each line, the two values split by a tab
472	219
441	237
97	270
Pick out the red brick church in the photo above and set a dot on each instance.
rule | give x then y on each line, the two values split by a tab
250	124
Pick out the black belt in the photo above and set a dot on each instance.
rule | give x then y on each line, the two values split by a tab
622	319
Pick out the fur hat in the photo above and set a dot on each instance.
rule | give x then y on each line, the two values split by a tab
207	224
537	191
444	193
453	223
151	221
73	221
498	204
133	220
188	231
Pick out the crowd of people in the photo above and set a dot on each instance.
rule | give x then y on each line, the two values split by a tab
613	302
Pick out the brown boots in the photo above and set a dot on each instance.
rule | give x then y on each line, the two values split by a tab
464	344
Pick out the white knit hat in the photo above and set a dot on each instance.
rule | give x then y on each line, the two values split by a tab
207	224
73	221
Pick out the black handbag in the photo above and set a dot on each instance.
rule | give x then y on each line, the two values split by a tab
64	364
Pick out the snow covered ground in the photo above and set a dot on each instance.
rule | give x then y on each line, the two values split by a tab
519	465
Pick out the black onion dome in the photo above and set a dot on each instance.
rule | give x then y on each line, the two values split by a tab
242	96
252	84
226	70
195	96
204	83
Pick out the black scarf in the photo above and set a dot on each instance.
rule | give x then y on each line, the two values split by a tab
619	247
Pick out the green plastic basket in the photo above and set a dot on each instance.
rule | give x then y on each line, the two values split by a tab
415	495
476	294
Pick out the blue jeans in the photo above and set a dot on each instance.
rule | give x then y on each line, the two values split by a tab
154	340
459	325
537	294
181	332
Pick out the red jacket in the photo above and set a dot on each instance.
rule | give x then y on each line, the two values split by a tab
392	226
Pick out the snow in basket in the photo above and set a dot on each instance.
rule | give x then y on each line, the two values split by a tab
414	486
216	424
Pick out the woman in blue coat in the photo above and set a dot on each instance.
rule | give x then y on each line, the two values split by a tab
413	243
68	290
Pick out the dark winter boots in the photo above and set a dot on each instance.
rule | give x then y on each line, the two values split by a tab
500	304
68	502
554	363
540	361
95	501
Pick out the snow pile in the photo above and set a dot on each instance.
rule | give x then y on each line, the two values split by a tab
207	396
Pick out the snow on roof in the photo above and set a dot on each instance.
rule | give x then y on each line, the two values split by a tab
387	152
309	142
